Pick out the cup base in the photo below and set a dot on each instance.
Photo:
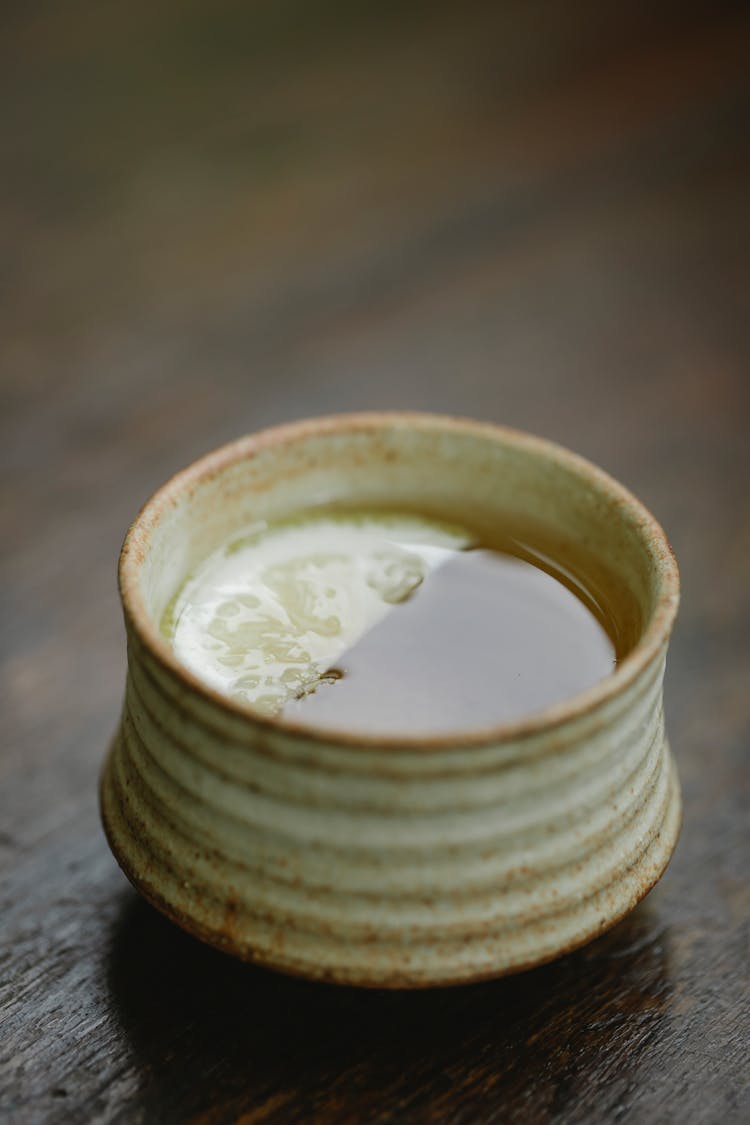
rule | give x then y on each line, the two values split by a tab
231	926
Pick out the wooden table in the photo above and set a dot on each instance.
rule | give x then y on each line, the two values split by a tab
217	217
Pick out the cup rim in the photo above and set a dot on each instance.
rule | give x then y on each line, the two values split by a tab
185	481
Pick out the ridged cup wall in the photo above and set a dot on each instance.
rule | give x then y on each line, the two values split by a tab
392	862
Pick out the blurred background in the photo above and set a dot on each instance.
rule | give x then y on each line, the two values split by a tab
218	217
215	217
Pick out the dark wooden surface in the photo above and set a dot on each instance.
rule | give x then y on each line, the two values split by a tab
216	217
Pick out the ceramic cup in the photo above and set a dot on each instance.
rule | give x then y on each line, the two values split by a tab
397	861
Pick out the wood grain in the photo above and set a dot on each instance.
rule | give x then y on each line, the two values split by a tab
218	217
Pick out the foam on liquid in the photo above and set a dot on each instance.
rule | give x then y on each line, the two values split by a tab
265	617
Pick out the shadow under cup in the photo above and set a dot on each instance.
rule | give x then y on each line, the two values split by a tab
396	861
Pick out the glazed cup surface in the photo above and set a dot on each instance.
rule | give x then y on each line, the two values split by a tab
398	861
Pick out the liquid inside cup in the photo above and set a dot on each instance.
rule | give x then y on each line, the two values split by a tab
391	623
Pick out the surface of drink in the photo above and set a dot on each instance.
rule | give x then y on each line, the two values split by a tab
390	623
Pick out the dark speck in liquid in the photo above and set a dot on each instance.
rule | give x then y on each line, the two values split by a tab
487	639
